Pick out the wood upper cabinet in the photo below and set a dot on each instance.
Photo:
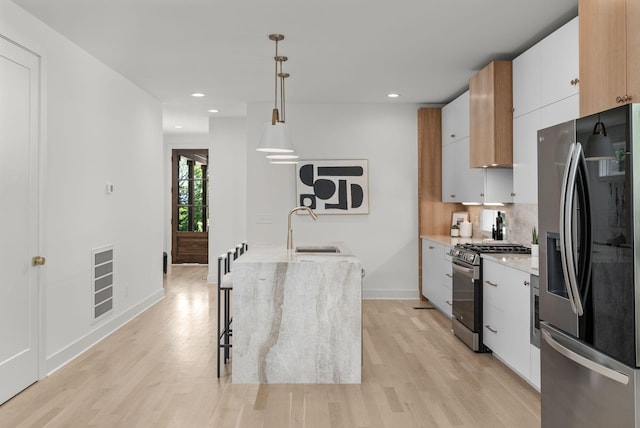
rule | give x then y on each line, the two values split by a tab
491	116
609	54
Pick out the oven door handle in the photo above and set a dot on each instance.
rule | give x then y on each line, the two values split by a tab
467	271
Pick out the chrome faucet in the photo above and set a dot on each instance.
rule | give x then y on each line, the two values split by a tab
290	233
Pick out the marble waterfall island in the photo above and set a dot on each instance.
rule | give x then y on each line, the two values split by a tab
297	317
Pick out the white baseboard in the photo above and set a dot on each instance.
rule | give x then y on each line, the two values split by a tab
64	356
212	278
411	294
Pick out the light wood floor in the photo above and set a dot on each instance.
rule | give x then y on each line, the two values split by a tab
159	370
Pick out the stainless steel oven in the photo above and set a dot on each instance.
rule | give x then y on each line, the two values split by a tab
467	292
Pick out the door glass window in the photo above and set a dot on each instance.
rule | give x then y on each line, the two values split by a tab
192	203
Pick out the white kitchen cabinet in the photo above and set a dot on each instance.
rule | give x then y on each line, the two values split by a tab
545	93
525	144
494	331
463	184
525	158
506	310
459	182
498	185
436	285
534	377
560	64
455	119
526	83
561	111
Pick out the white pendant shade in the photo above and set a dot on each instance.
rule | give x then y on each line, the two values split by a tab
282	156
276	139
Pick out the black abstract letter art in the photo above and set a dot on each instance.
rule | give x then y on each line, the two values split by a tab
333	186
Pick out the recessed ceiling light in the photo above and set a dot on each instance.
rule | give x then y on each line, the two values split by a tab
197	94
213	111
393	95
178	127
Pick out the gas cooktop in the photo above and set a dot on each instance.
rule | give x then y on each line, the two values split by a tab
470	253
496	247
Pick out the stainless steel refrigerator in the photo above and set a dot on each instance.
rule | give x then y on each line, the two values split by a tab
589	270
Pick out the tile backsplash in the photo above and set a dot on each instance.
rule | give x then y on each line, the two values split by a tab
519	220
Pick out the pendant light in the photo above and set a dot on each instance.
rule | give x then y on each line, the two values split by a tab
275	136
599	144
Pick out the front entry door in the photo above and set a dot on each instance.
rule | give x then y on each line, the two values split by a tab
19	118
190	219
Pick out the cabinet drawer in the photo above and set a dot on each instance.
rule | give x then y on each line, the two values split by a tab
493	332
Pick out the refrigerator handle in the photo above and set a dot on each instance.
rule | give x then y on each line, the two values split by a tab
565	191
584	361
570	254
583	267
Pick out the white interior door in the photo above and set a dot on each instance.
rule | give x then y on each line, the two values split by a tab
19	118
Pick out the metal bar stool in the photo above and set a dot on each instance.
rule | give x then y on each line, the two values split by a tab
225	285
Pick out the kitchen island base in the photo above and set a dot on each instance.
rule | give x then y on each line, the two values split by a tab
297	317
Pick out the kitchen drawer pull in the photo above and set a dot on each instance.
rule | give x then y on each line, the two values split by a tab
431	247
493	284
449	275
452	195
488	327
453	135
449	303
526	283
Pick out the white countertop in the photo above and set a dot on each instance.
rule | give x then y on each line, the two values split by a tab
450	240
522	262
278	253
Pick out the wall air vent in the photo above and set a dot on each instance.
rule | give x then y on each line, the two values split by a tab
102	282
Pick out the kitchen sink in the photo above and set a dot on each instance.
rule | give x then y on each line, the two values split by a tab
331	249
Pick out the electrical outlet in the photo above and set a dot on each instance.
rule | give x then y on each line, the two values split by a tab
264	218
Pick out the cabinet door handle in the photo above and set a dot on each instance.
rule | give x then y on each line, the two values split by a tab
482	194
618	99
575	81
488	327
526	283
513	194
448	303
627	98
449	275
453	135
452	195
493	284
431	247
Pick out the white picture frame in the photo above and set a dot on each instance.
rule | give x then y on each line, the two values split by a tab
459	217
333	186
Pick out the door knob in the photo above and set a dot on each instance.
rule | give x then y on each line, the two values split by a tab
38	261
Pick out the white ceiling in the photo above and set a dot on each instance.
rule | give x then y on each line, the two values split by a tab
340	51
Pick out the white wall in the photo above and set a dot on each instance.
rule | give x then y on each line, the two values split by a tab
96	127
228	188
226	142
386	239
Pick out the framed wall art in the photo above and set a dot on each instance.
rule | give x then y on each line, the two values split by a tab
333	186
